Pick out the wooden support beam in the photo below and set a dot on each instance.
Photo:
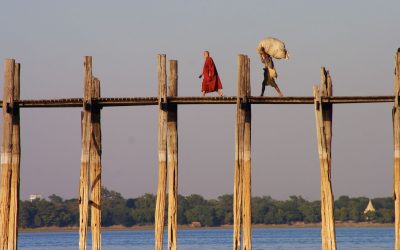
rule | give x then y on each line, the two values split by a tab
15	165
85	157
242	176
237	187
396	140
172	149
6	151
246	210
162	151
323	118
95	168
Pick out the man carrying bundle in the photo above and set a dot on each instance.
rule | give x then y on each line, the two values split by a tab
211	81
268	48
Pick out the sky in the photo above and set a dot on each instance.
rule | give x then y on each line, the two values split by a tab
355	40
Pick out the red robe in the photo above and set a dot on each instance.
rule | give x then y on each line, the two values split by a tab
211	81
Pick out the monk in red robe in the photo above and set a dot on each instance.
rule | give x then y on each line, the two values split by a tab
211	81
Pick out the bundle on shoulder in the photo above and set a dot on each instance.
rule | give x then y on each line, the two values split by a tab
273	47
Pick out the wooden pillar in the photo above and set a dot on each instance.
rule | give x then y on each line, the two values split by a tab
6	151
85	157
172	149
162	151
15	165
396	140
246	211
95	169
323	119
242	176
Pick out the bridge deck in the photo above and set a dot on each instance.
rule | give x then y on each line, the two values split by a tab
143	101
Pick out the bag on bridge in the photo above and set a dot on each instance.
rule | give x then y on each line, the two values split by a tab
273	47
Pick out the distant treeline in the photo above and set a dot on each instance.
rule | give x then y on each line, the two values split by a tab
116	210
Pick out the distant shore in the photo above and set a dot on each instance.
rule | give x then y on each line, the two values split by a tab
188	227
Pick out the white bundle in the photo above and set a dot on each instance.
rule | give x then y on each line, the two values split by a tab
273	47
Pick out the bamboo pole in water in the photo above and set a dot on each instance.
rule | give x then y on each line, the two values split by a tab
323	118
95	168
15	169
172	150
85	157
162	151
6	151
396	140
246	210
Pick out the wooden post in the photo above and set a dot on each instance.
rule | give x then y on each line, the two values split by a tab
396	140
15	169
162	151
239	152
323	119
85	157
95	169
172	149
246	211
6	151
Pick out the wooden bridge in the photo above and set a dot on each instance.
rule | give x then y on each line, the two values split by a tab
168	101
144	101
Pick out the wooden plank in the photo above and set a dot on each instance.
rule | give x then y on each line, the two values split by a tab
95	169
189	100
85	157
15	169
6	151
246	211
239	150
162	152
396	140
172	150
323	118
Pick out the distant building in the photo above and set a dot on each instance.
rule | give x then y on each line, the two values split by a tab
33	197
369	208
196	224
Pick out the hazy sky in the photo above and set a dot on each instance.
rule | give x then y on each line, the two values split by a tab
355	40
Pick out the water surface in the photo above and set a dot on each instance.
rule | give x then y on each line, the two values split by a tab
221	239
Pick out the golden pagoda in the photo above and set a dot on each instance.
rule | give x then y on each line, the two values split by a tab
369	208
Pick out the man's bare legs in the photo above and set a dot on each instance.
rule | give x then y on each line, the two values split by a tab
263	89
203	93
278	90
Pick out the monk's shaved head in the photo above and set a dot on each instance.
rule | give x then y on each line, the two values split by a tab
206	53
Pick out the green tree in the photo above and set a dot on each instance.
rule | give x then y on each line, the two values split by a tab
311	211
224	209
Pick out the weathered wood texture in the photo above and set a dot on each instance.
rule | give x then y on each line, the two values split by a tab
15	169
172	150
237	183
246	211
6	152
85	157
323	118
396	140
162	152
95	168
242	175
